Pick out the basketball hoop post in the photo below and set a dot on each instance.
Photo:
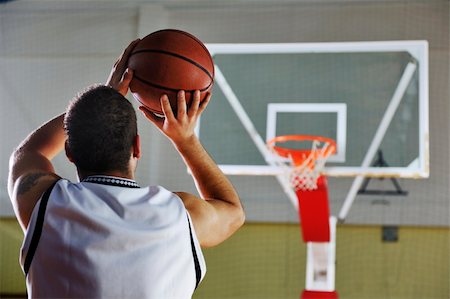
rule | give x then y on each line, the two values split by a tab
302	168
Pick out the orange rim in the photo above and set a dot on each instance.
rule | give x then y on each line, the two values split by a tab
300	155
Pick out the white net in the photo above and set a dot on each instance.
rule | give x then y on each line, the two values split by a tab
303	173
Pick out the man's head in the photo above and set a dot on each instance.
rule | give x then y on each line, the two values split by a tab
101	131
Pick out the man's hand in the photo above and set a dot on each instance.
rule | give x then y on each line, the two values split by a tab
179	128
120	76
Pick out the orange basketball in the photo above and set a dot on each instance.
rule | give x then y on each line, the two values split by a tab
167	61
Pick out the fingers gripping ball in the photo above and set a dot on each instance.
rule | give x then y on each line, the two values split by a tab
167	61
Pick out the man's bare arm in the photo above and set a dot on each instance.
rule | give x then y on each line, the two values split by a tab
30	169
219	213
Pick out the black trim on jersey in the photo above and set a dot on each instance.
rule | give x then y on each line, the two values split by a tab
111	181
198	270
37	229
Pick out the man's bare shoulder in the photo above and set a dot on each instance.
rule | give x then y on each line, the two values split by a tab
27	191
30	180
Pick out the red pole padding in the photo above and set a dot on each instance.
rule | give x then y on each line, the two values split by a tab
319	295
314	212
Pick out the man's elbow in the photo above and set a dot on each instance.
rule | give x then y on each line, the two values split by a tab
239	217
234	220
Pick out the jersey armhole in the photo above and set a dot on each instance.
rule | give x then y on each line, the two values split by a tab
37	229
198	270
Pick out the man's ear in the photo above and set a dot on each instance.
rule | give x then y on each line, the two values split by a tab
137	147
68	153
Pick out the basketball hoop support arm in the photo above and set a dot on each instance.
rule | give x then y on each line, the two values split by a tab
251	130
379	135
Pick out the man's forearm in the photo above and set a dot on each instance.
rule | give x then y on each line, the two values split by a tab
36	151
47	140
210	180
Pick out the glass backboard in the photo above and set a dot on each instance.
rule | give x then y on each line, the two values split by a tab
371	97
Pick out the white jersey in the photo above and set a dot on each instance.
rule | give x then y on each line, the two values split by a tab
107	238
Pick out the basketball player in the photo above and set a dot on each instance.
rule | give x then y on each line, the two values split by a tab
106	236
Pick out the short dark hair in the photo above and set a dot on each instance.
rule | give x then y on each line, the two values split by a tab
101	127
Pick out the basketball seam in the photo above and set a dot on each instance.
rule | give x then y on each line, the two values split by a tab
196	39
192	37
178	56
168	88
152	110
